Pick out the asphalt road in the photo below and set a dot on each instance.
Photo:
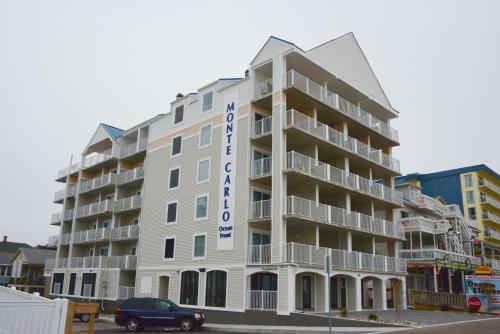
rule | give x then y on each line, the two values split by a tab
488	326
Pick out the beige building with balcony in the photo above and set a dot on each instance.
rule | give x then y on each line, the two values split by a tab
232	199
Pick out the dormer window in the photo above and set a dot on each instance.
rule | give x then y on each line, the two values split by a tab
207	101
179	114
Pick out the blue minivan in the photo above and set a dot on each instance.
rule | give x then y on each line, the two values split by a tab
137	313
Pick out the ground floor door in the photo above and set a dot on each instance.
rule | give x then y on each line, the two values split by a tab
306	292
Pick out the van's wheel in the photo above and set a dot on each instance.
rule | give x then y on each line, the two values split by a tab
85	317
133	324
186	325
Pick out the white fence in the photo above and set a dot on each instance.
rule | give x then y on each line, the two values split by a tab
262	299
23	313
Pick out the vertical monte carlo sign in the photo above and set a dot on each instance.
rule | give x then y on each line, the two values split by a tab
225	232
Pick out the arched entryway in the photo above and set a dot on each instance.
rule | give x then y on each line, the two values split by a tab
262	293
343	291
395	295
371	293
310	292
163	287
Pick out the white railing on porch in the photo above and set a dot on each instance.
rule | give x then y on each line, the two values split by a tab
125	292
131	175
263	88
262	167
262	299
262	126
128	203
125	232
260	209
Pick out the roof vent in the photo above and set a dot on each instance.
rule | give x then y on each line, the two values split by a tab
246	73
179	95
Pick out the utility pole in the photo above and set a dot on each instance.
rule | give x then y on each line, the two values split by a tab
328	269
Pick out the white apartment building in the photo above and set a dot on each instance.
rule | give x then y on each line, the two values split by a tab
231	200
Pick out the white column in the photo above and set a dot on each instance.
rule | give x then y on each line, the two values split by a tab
349	241
358	294
317	236
384	295
373	245
327	293
403	294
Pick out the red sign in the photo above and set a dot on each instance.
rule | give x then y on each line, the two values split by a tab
474	303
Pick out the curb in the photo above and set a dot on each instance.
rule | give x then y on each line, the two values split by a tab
293	329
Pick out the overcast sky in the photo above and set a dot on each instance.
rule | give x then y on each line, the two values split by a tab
66	66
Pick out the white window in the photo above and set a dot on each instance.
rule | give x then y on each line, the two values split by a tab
207	101
200	246
176	146
179	114
174	178
468	180
203	170
470	197
169	249
171	212
201	207
205	135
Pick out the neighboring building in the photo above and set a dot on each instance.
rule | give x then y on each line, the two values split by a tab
7	252
476	190
232	199
28	268
438	241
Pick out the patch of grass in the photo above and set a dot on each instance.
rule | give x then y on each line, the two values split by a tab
444	307
372	316
343	313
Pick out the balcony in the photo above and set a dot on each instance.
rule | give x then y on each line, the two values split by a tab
262	300
125	233
56	218
66	215
125	292
260	210
488	184
343	259
343	144
94	209
65	239
262	167
350	111
129	203
98	158
326	214
491	217
61	194
425	202
131	175
425	225
133	148
490	202
430	254
50	264
263	89
121	262
262	127
98	183
259	254
308	166
63	173
53	241
93	235
492	235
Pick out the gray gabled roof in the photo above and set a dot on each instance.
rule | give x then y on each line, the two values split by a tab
11	247
6	258
37	256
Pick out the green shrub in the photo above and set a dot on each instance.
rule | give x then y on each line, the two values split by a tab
372	316
343	313
444	307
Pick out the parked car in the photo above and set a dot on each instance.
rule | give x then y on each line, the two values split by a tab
137	313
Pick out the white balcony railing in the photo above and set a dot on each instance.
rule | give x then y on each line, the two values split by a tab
485	199
343	259
490	216
125	232
487	183
59	195
94	209
260	209
340	217
262	167
333	100
53	240
426	202
262	299
98	158
133	148
56	217
65	239
430	254
98	234
131	175
128	203
68	170
263	88
125	292
98	182
50	264
258	254
121	262
322	131
68	214
306	165
425	224
490	233
262	127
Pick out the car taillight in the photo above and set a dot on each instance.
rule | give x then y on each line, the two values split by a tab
119	311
